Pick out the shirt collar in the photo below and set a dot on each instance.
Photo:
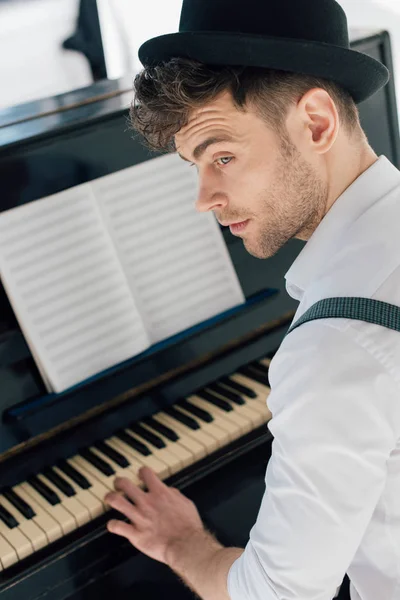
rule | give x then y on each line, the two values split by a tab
372	185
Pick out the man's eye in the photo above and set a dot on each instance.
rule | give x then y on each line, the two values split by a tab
223	158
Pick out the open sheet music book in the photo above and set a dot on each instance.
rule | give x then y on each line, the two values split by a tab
100	272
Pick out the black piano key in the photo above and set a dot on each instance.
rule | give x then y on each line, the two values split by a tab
228	394
74	474
95	460
260	367
238	387
20	504
184	419
210	397
112	454
133	442
147	435
252	373
59	482
196	411
8	518
163	429
44	490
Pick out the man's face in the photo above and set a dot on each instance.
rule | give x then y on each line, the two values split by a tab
255	182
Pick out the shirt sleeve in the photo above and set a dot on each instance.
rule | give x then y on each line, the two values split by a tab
336	415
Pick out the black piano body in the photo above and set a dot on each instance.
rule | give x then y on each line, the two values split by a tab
57	143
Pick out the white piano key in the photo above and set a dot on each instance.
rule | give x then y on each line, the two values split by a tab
79	512
139	460
66	521
261	390
251	412
174	462
8	556
229	421
43	519
129	472
35	535
221	436
85	497
175	448
197	446
100	487
17	540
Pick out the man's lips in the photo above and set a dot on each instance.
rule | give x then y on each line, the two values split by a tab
237	227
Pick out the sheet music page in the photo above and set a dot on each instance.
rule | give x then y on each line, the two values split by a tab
66	286
174	258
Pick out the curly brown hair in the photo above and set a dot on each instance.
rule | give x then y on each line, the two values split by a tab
166	94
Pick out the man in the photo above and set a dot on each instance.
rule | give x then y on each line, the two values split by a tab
261	97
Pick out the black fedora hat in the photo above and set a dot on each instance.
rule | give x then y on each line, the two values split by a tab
301	36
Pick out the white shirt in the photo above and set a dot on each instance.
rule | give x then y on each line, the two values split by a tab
332	499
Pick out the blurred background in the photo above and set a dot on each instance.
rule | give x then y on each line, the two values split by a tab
49	47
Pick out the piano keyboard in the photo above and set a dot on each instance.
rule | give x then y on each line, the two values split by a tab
70	493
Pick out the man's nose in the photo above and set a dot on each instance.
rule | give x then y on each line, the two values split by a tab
209	199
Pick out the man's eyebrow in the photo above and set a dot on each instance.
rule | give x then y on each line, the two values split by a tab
201	148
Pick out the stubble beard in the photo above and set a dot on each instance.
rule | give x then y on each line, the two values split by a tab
292	208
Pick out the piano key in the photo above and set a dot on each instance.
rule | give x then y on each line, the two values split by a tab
240	419
206	433
220	417
253	374
226	393
173	412
176	449
93	474
262	392
160	428
115	456
257	364
19	504
210	397
92	498
142	432
43	519
59	482
252	412
85	497
7	518
237	387
97	462
72	473
17	540
158	466
164	454
79	512
133	442
129	471
8	556
265	361
43	490
28	527
221	436
195	410
193	445
57	512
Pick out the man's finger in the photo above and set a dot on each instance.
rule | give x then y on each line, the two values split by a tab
118	502
151	480
132	491
121	528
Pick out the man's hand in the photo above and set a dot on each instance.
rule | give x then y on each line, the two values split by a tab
159	518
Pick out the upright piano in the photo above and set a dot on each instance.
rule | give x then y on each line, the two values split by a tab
194	408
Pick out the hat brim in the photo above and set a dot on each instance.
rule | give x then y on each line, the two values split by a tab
358	73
